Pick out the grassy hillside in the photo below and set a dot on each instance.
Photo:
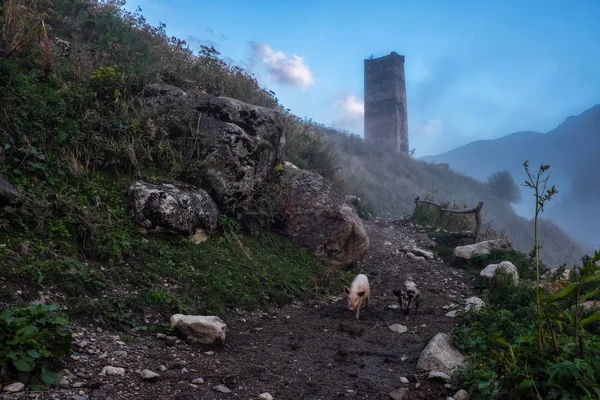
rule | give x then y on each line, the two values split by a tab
389	184
72	139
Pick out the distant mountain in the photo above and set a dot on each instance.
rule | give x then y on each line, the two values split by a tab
572	149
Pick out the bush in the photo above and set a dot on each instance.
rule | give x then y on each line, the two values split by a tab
30	339
503	185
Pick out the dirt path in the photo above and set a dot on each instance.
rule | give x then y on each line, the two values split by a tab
314	350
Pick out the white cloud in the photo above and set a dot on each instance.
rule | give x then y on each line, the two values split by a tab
433	127
350	115
290	70
351	107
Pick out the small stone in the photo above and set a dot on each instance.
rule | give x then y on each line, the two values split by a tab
121	353
65	381
417	385
265	396
14	387
198	381
193	386
149	376
403	358
171	340
78	384
222	389
161	336
162	368
209	353
403	379
461	395
99	330
110	370
398	328
399	394
439	375
452	314
393	306
78	397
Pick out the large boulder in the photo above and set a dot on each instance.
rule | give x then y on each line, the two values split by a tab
440	355
468	251
200	329
318	218
168	208
8	193
237	144
492	270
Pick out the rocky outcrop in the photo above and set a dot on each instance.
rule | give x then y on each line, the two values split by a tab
167	208
200	329
8	193
466	252
492	270
318	218
237	144
440	355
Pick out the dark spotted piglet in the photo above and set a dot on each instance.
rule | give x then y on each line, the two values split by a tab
408	297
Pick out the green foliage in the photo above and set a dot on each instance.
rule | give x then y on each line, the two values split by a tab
30	339
503	185
306	148
529	342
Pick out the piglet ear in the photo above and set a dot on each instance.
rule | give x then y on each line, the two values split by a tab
346	290
361	294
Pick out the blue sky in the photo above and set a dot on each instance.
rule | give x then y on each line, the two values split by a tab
474	69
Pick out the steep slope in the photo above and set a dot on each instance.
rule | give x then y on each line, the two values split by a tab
389	184
570	149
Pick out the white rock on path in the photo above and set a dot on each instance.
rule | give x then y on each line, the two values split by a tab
398	328
200	329
115	371
399	394
265	396
222	389
150	376
14	387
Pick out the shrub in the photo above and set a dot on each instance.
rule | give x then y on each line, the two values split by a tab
30	339
503	185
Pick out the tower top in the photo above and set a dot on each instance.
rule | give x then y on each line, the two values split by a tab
393	55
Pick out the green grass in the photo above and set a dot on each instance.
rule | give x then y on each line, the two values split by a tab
80	242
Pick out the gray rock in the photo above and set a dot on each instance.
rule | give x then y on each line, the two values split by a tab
149	376
440	355
399	394
318	218
440	375
14	387
8	193
398	328
174	209
492	270
265	396
222	389
461	395
171	340
200	329
466	252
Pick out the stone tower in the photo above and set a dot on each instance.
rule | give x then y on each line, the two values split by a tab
386	121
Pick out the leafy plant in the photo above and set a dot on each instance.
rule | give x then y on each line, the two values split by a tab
542	195
30	339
